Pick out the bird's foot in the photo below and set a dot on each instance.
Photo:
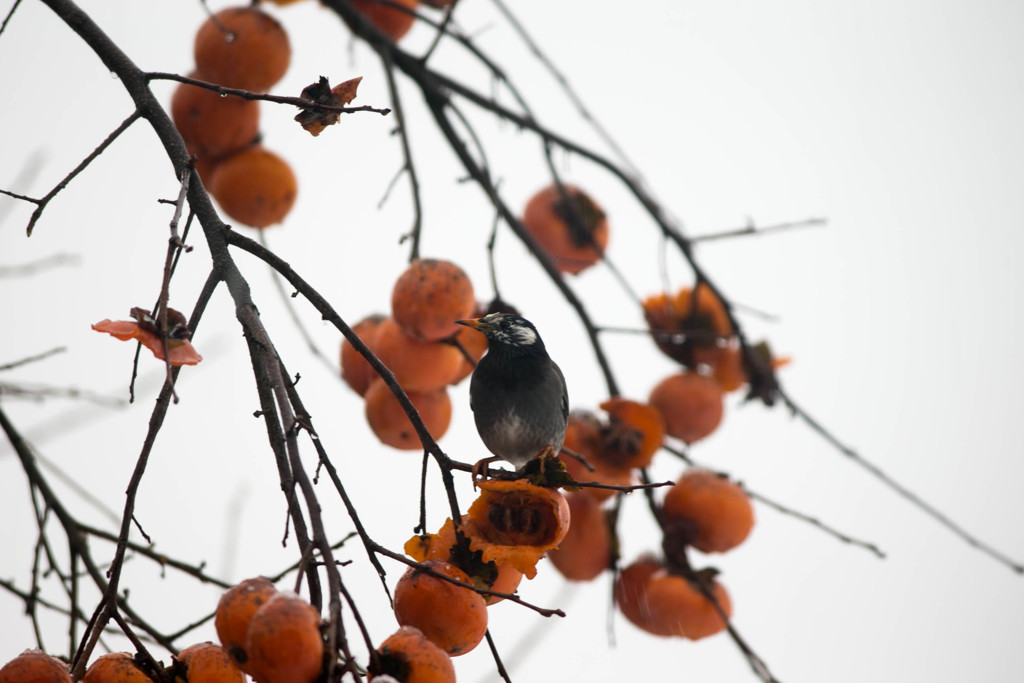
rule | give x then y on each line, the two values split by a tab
480	468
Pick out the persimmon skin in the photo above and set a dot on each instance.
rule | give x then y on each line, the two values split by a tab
234	612
704	328
244	48
284	641
209	663
212	126
692	405
716	513
678	608
115	667
417	365
255	187
356	370
631	589
575	246
408	656
634	433
429	296
392	426
34	666
583	437
391	22
520	513
452	617
586	550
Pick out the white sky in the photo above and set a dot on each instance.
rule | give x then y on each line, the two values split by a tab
900	122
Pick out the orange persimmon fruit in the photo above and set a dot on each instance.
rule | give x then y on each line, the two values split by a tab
666	604
392	426
586	550
583	437
242	47
687	333
209	663
572	229
408	656
713	514
284	642
356	370
255	187
633	434
691	404
450	616
212	126
115	667
234	612
416	365
392	22
34	666
429	296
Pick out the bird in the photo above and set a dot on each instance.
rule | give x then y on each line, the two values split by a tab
517	393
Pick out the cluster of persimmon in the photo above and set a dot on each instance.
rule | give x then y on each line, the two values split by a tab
242	48
422	347
498	541
569	226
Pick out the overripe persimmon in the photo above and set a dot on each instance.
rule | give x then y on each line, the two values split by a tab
115	667
212	126
429	296
711	513
356	370
633	434
284	641
34	666
452	617
417	365
255	187
209	663
244	48
691	326
691	404
408	656
583	437
392	22
571	228
234	612
392	426
586	550
666	604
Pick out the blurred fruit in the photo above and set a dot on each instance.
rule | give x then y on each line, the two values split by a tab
234	612
212	126
669	605
633	434
392	426
356	370
583	436
408	656
586	550
254	187
416	365
392	22
572	229
429	297
284	641
34	666
115	667
242	47
691	404
209	663
452	617
710	512
689	334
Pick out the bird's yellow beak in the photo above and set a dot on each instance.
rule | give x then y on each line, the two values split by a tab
475	323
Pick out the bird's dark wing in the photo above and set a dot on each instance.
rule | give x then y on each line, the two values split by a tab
565	391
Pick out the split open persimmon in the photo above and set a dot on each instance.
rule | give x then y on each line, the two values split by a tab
115	667
284	642
209	663
586	550
429	296
356	370
408	656
234	612
452	617
416	365
392	426
571	228
255	187
34	666
244	48
712	513
666	604
392	22
212	126
692	405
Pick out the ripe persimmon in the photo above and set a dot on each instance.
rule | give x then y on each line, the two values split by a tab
583	437
586	550
234	612
691	404
429	296
115	667
212	126
633	434
678	608
416	365
691	327
244	48
712	513
392	426
254	187
408	656
284	641
34	666
571	228
451	617
209	663
392	22
356	370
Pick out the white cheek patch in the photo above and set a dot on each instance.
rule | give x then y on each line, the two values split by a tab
524	336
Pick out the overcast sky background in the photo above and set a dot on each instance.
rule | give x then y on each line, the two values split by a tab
899	122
